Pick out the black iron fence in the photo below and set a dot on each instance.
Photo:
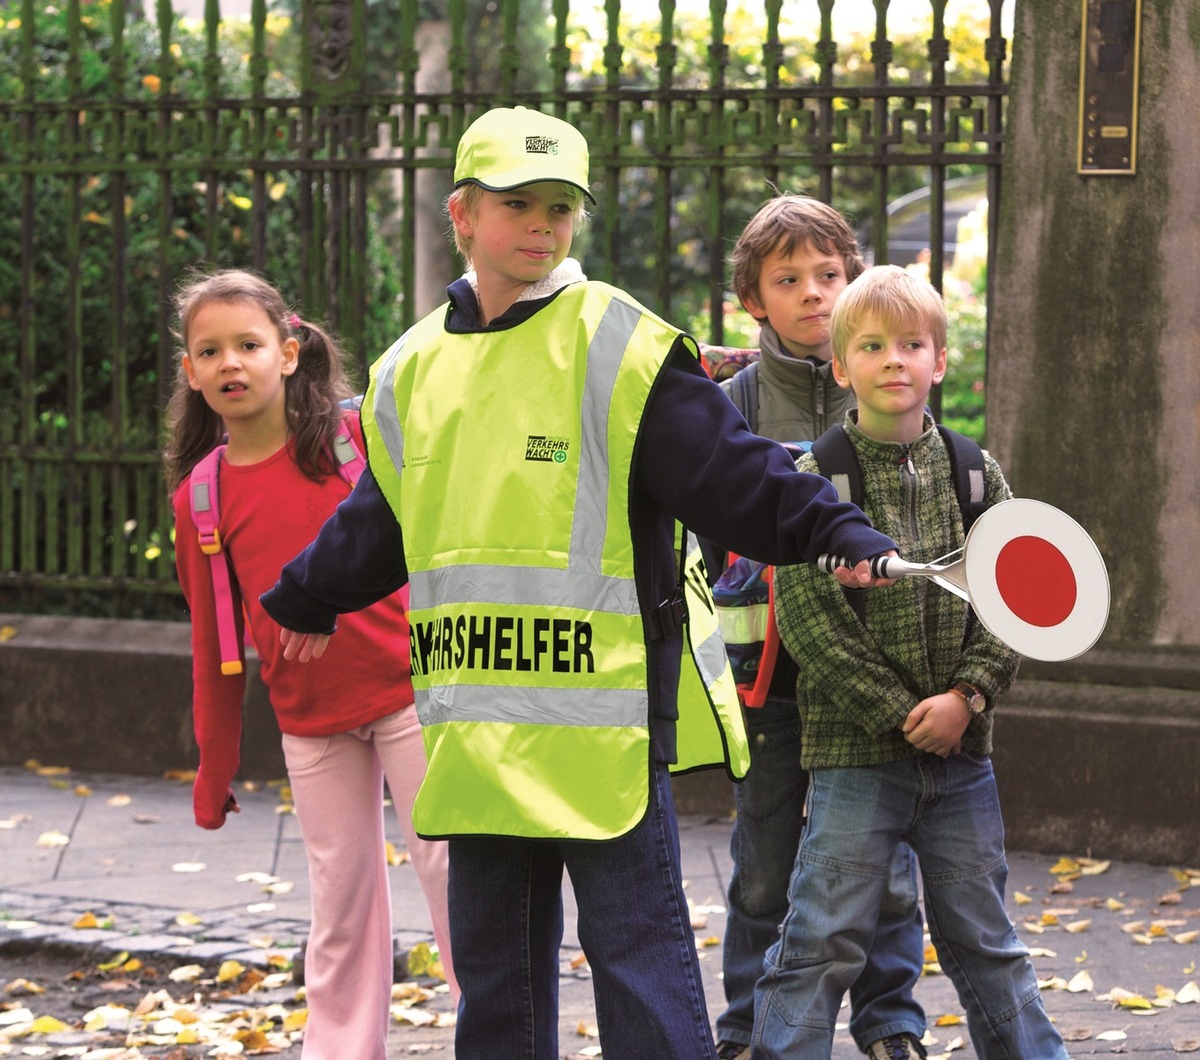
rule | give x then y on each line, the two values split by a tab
316	146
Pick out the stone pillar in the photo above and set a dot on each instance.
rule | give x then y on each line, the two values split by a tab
1093	404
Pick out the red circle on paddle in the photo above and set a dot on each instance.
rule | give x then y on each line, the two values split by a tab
1036	581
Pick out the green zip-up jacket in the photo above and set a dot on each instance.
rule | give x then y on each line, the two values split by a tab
858	681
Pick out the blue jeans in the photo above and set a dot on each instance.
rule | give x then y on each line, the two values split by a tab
949	811
506	926
766	835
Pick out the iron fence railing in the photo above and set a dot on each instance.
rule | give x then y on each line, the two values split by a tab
133	146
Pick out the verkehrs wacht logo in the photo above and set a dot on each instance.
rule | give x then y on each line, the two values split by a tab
542	447
541	145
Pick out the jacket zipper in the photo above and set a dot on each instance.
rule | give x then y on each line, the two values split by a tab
908	487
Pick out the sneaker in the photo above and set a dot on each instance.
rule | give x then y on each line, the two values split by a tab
896	1047
732	1051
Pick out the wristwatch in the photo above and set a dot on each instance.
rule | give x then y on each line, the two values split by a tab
975	699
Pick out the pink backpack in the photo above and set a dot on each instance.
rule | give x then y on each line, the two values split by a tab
206	514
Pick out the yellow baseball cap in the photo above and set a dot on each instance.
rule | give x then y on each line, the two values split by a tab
508	147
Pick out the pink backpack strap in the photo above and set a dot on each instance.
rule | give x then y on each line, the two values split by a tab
350	462
206	515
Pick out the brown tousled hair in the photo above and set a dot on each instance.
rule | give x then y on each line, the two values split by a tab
312	394
783	224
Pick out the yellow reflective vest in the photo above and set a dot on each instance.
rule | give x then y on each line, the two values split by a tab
507	457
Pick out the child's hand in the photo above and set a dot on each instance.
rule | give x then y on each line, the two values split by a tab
212	801
936	724
303	646
860	576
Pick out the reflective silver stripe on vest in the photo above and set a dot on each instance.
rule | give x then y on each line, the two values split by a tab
710	658
538	586
605	353
524	705
710	655
387	416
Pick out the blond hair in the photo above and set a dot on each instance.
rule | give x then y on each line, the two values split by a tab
784	223
468	195
892	296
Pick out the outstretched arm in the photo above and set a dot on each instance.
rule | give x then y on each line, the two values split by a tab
356	560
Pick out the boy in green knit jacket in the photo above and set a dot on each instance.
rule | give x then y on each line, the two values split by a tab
896	718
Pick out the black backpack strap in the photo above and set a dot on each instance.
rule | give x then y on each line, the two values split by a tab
742	389
838	462
967	466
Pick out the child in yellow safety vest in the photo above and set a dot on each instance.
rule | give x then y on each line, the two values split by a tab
533	446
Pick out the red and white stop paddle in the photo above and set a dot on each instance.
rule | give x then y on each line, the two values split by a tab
1035	578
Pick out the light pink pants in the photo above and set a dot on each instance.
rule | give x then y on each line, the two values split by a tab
337	786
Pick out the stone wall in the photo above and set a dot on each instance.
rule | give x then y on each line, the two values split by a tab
1100	756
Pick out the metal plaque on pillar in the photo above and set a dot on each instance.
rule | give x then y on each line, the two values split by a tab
1108	86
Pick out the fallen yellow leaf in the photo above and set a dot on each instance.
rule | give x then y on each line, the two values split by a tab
1134	1001
1065	867
253	1040
1021	898
229	971
47	1025
948	1020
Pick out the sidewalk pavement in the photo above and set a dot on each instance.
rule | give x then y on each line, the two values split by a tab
1117	946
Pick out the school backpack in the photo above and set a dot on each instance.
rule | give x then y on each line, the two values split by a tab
744	594
206	515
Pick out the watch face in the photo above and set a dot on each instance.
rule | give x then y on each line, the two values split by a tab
975	699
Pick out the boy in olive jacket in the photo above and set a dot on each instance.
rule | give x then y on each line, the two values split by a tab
896	718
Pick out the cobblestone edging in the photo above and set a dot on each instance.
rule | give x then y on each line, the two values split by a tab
31	922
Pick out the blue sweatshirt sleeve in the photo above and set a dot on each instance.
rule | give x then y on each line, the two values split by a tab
356	560
700	461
